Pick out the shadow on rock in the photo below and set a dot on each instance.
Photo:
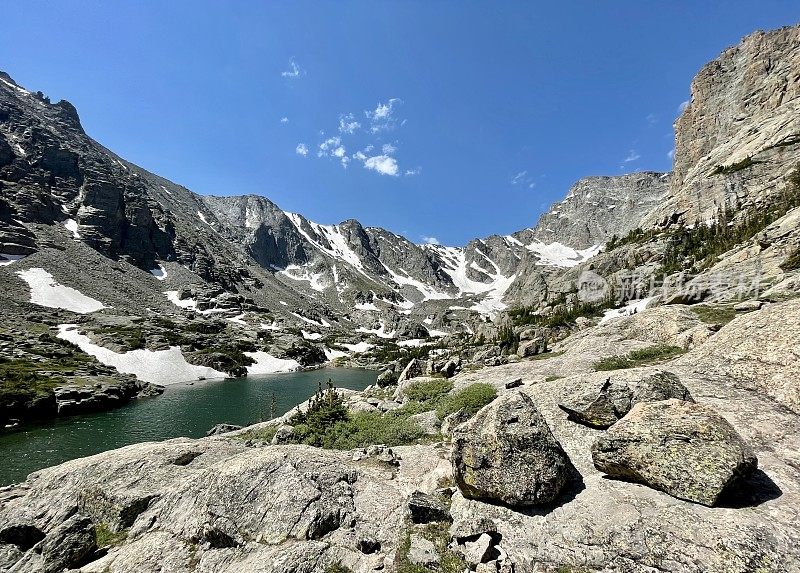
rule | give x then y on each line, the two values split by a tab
751	491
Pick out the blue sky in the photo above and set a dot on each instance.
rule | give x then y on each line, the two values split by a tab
451	120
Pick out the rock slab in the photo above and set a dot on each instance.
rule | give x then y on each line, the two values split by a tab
684	449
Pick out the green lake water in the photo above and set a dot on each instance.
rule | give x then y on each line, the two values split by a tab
183	410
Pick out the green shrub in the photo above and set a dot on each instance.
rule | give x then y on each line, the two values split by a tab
325	409
470	399
108	538
428	389
366	428
649	355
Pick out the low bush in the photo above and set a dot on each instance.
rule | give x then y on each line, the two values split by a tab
642	357
470	399
428	390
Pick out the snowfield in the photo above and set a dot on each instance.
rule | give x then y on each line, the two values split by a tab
45	291
267	364
627	310
157	366
72	227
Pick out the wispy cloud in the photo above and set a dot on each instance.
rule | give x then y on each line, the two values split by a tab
651	119
382	164
301	149
294	70
633	155
522	178
412	172
684	104
430	240
388	148
284	119
519	177
671	154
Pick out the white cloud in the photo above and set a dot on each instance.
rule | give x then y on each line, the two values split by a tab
383	164
348	124
329	145
430	240
359	155
671	154
651	119
412	172
345	161
338	152
531	185
519	177
284	119
633	155
294	70
301	149
382	117
388	148
684	105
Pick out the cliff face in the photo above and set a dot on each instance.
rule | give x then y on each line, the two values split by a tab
597	208
740	134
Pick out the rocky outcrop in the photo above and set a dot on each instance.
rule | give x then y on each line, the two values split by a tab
738	136
617	398
686	450
506	453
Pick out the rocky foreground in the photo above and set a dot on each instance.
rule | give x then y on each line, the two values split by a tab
687	465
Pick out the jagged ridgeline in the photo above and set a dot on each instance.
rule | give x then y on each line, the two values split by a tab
612	389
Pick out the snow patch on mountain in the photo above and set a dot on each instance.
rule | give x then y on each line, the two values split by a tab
46	291
156	366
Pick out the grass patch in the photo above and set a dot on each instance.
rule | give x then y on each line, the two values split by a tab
713	314
258	434
337	568
552	378
642	357
108	538
439	535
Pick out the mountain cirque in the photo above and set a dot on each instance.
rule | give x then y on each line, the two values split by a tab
141	266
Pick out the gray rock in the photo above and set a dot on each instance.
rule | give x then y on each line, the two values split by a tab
428	421
368	545
748	306
684	449
413	369
507	453
515	383
222	429
617	398
478	551
423	552
425	508
451	421
386	378
63	548
283	435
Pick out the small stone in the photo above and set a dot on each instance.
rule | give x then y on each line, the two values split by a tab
423	552
516	383
425	508
477	551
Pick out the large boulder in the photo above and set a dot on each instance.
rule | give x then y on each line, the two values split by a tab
684	449
617	398
507	453
414	369
63	548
